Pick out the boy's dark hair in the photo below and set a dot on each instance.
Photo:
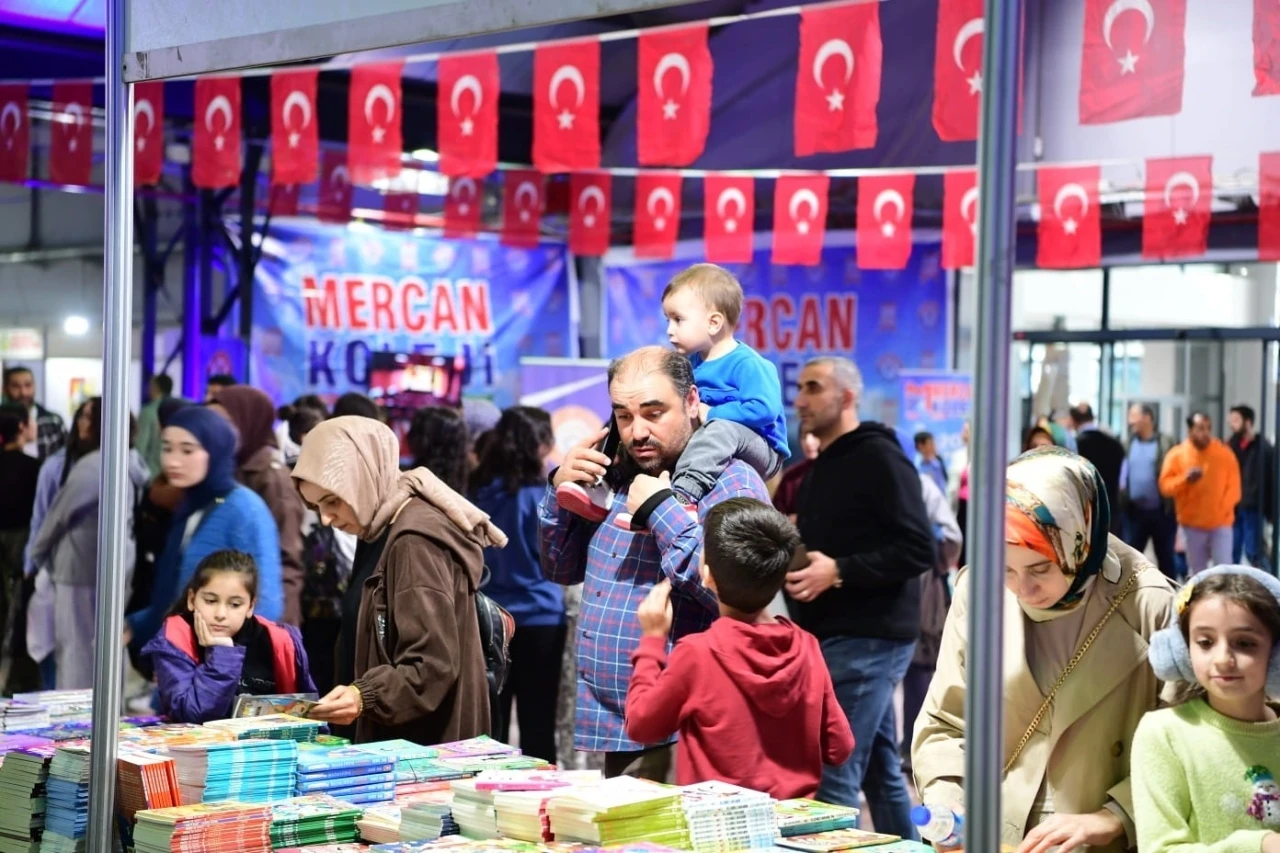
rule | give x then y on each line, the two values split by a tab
1242	590
1246	413
13	417
715	286
237	562
923	438
748	546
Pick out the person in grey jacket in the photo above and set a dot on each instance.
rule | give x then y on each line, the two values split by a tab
66	546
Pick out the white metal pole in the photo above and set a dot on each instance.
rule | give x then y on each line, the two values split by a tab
113	512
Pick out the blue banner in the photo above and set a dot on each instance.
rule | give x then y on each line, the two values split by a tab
574	391
937	402
886	321
327	296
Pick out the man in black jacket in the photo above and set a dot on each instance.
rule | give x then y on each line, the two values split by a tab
868	540
1105	452
1257	487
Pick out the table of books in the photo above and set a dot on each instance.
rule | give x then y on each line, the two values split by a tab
280	782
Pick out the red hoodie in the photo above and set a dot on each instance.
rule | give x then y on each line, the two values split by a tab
753	704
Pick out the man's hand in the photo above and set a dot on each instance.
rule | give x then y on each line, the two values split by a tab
655	611
342	705
814	579
644	487
583	463
1067	832
1194	475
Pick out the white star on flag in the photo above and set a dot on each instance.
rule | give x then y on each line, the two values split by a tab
524	216
802	227
1180	216
1069	225
566	120
467	126
218	142
378	133
589	220
660	224
142	143
887	229
975	83
731	225
669	109
835	101
1128	63
294	139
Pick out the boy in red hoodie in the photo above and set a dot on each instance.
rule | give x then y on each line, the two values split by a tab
751	696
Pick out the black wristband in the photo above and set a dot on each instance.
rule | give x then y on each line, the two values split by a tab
640	518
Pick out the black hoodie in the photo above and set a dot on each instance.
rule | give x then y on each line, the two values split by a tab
862	506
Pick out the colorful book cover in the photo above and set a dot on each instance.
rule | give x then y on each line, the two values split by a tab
840	839
292	704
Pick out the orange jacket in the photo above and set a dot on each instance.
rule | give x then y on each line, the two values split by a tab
1210	501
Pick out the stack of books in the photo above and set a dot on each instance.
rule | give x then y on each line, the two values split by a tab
619	811
270	727
145	781
247	771
723	818
428	817
173	734
840	839
66	817
11	742
205	827
313	819
64	706
22	716
327	848
346	772
22	790
473	810
74	730
806	817
380	823
476	747
418	768
520	798
472	765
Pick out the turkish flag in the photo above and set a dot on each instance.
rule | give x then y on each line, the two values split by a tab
959	218
462	208
657	214
799	219
521	207
674	110
374	143
148	133
1070	231
1269	206
295	128
838	81
467	130
1133	59
729	216
592	205
885	207
15	133
333	198
400	209
71	134
282	199
215	138
1266	47
1176	210
957	70
566	106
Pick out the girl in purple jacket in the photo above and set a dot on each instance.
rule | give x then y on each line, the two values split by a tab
213	648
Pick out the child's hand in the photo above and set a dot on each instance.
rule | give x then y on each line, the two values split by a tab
655	611
204	636
704	412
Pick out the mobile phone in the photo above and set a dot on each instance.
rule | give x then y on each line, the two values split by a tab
612	441
800	560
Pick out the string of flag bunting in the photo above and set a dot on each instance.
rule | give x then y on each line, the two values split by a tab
1132	67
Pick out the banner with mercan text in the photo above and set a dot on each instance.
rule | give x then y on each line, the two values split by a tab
937	402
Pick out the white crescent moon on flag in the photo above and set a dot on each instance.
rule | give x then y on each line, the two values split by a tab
220	104
1181	179
665	64
527	188
11	109
830	48
731	195
969	201
574	76
468	184
339	175
144	108
589	193
800	197
664	195
971	29
379	92
302	102
466	83
1117	7
1068	191
76	111
889	197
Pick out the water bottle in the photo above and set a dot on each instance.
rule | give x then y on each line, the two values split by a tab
939	825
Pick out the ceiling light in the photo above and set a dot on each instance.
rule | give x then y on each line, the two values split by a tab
75	326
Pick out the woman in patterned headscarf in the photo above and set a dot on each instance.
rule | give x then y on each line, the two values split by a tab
1076	595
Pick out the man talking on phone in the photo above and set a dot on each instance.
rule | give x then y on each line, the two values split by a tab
656	409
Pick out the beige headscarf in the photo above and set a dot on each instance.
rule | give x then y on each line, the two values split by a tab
358	459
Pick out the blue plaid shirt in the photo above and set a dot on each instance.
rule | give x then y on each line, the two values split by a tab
617	569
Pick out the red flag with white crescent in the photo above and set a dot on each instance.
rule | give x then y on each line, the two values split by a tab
71	134
591	200
333	199
566	106
148	133
1177	207
1269	206
522	200
1266	47
400	209
462	207
1134	52
295	127
215	139
957	70
729	215
467	115
959	218
886	205
799	219
838	80
657	214
15	133
282	199
374	141
673	112
1070	230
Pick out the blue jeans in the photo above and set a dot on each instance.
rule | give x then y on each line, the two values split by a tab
1247	539
865	671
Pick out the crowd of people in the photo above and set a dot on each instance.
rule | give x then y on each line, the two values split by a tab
475	588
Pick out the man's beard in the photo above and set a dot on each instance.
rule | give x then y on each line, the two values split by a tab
620	474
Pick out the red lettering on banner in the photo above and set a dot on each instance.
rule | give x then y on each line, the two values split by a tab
412	293
322	305
444	315
476	313
810	325
842	322
384	292
356	303
781	337
769	327
754	325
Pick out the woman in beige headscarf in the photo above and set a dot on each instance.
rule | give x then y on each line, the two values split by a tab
419	666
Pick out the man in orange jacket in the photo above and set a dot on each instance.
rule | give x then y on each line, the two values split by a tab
1203	478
